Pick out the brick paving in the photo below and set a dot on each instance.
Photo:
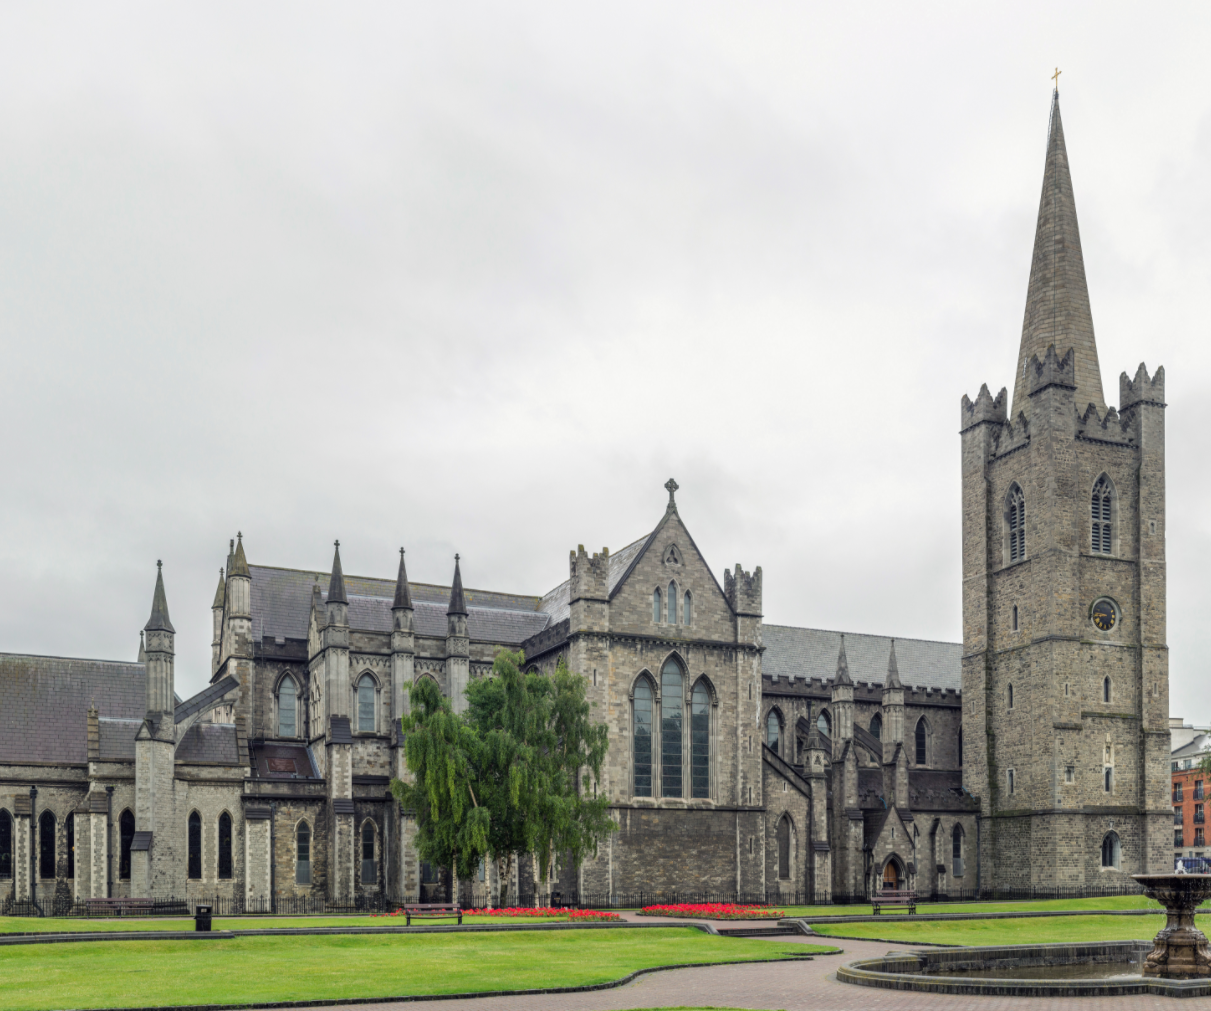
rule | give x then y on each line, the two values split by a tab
803	986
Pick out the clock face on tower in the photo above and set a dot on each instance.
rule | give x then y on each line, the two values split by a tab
1104	615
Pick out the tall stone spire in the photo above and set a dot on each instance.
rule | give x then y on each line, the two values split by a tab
458	604
238	566
842	677
893	668
158	622
403	596
1057	300
336	583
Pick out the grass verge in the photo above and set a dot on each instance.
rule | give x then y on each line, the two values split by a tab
101	974
1042	905
65	925
1040	930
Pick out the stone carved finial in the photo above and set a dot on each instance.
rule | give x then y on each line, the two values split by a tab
671	486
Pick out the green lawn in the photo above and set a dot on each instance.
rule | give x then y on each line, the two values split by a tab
1058	905
63	925
99	974
1034	930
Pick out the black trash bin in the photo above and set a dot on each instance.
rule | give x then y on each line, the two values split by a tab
201	916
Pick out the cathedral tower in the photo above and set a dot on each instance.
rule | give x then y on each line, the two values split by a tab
1065	669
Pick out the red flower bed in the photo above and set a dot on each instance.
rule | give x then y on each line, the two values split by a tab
715	911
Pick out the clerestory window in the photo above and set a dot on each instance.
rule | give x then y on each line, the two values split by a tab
365	703
287	707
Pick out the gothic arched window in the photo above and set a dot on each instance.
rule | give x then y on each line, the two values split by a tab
302	854
657	616
1015	517
1103	494
876	727
824	723
642	740
224	846
288	693
922	739
700	742
69	825
6	844
784	847
671	706
672	603
365	703
1009	695
956	850
687	609
1112	850
1106	690
126	835
46	845
773	729
369	867
195	845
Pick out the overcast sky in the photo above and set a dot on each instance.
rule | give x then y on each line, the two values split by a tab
480	278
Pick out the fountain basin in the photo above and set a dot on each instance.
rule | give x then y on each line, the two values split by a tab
1098	969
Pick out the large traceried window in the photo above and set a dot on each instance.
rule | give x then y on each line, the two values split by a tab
784	847
700	742
773	729
672	603
671	706
365	703
6	844
46	845
1015	517
657	612
195	845
288	693
642	743
224	846
302	854
1100	511
126	835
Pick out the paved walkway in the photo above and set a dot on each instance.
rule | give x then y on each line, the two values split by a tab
804	986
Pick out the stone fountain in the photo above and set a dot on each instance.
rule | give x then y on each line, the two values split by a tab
1180	950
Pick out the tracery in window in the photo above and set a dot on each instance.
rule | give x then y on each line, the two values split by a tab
1100	513
287	707
1112	850
642	741
671	706
1015	516
700	742
365	703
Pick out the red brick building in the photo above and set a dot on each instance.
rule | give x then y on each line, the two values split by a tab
1189	810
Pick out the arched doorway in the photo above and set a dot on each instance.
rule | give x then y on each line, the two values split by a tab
891	875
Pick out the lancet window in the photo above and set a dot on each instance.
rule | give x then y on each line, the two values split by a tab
1100	511
1015	516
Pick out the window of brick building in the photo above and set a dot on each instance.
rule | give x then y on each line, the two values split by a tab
1198	789
1198	838
1177	793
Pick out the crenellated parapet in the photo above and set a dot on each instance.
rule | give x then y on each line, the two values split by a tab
1052	370
983	409
743	591
1141	389
590	575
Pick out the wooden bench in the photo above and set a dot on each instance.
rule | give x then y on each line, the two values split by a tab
894	897
120	907
432	911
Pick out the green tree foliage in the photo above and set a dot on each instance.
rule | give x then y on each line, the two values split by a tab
443	754
517	773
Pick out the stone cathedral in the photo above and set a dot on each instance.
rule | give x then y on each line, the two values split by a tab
746	759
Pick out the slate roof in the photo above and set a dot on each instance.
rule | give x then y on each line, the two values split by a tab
556	603
212	743
281	607
44	704
812	652
118	739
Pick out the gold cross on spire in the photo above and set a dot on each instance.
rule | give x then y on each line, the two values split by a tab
1056	77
